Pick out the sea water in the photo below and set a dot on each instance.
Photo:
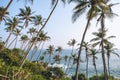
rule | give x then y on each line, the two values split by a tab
114	63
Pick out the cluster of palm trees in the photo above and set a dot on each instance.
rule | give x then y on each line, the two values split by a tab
95	8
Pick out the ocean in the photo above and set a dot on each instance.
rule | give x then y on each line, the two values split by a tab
114	63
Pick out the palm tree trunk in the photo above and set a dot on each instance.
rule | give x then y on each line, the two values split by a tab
68	66
15	42
80	48
103	54
12	42
96	70
6	8
35	51
87	67
108	65
8	38
40	52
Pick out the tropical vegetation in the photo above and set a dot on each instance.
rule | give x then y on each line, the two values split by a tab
26	38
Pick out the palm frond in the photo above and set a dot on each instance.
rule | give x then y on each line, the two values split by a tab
79	10
94	39
111	37
95	44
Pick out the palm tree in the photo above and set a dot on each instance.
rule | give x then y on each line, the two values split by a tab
5	10
57	59
80	8
43	38
12	24
16	33
110	50
59	49
50	51
86	45
5	15
38	20
105	11
32	32
102	41
93	54
26	14
23	39
72	43
66	59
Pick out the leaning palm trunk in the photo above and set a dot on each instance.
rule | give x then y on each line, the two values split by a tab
8	38
80	48
12	42
16	42
68	65
40	52
35	51
6	8
103	53
27	52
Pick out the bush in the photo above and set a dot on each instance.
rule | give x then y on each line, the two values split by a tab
101	77
35	77
9	58
35	68
80	77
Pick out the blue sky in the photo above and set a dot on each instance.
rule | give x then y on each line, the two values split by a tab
60	27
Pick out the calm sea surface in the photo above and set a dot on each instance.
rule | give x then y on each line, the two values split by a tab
114	63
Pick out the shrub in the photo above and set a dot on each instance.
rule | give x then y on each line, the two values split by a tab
80	77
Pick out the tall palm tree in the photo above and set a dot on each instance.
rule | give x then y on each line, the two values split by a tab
59	49
38	20
93	53
110	50
32	32
5	15
102	41
16	33
80	8
23	39
5	9
57	59
43	38
105	11
86	45
50	51
12	24
66	60
26	15
72	43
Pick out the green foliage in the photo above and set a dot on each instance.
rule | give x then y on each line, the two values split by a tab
80	77
35	68
35	77
9	57
101	77
56	71
47	74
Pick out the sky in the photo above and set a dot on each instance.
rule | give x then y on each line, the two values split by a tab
60	27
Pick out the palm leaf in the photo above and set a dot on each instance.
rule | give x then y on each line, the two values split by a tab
94	39
79	10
